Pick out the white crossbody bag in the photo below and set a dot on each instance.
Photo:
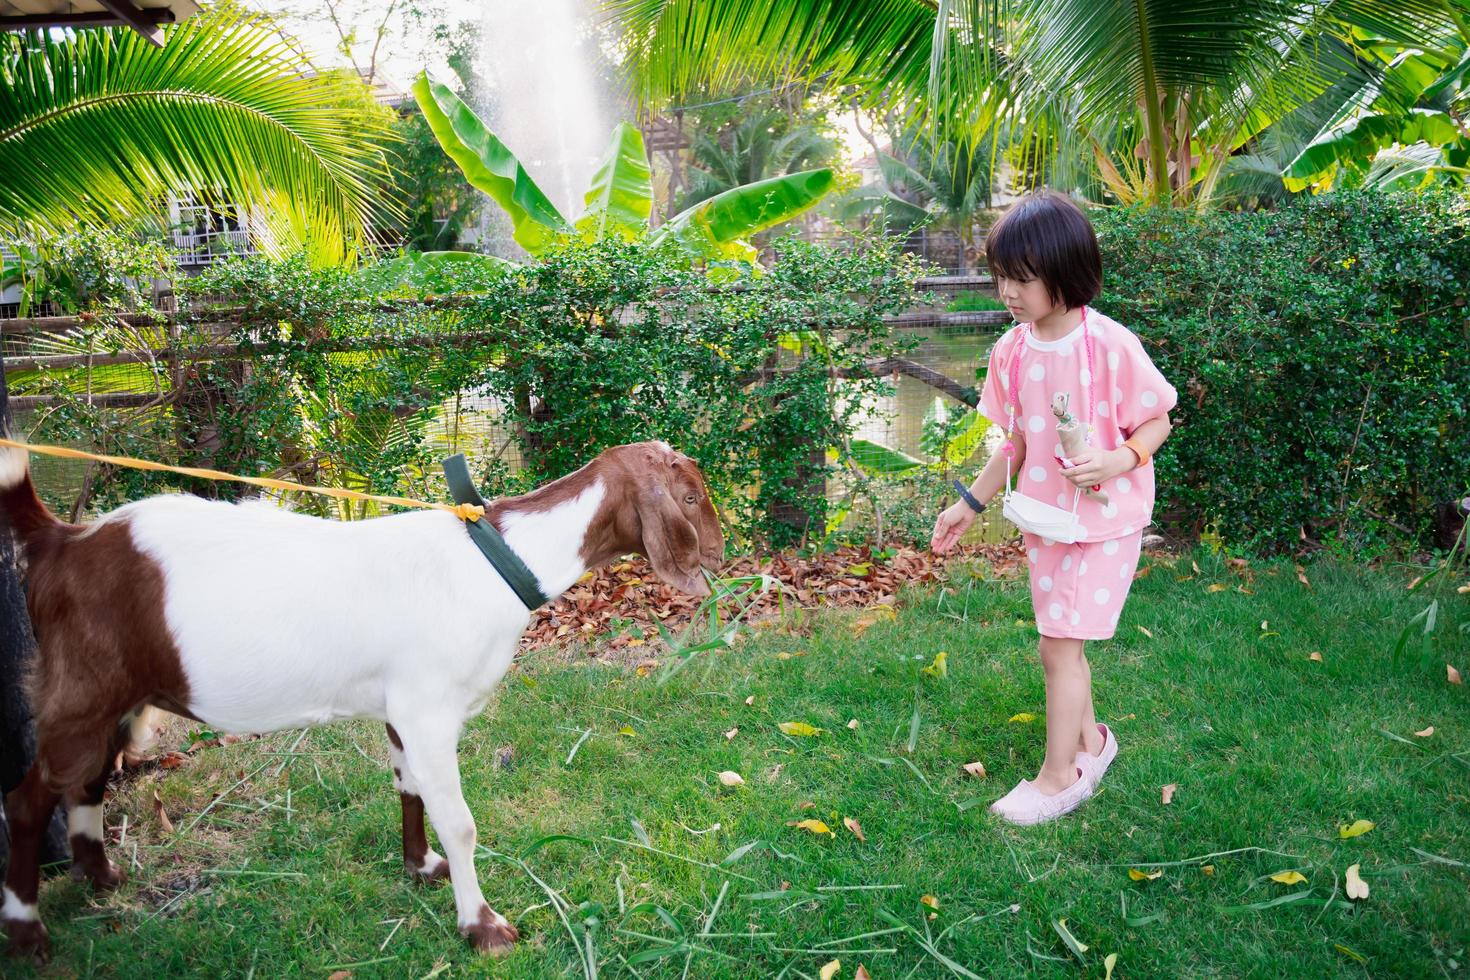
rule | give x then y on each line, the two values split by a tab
1027	513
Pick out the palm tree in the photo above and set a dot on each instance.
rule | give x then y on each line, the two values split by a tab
757	145
100	126
930	177
1161	92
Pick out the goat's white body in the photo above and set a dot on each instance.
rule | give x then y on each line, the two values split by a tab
283	620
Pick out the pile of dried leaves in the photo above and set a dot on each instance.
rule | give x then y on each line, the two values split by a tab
616	606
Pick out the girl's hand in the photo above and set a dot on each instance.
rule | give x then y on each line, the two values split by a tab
953	522
1099	465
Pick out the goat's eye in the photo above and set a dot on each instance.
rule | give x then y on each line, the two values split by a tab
690	499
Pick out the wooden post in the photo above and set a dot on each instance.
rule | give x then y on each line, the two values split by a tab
17	646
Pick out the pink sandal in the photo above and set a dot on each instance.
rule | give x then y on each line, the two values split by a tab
1026	805
1095	765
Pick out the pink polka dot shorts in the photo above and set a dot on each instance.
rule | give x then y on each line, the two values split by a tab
1078	590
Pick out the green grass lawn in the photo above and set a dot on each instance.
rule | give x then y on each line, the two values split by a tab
295	871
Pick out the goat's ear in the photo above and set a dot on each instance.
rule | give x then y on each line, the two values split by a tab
669	540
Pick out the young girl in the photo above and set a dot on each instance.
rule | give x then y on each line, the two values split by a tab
1044	256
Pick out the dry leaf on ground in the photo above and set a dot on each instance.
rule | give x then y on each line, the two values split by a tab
1452	674
1355	829
1426	732
1153	875
829	970
1166	795
815	826
799	728
161	814
1357	888
976	769
1289	877
855	827
731	778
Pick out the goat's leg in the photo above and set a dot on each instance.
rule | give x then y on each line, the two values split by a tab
84	826
430	747
27	810
421	860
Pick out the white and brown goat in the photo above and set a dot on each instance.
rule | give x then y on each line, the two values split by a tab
250	618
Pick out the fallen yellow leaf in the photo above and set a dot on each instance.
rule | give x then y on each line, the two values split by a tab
161	814
853	724
1024	717
815	826
750	701
731	778
975	769
1153	875
732	732
1166	794
830	970
1289	877
1355	829
1357	888
1415	582
783	655
800	728
940	667
1452	674
930	901
1426	732
627	730
855	827
1195	565
1209	869
1145	632
1109	961
1315	655
862	973
1217	587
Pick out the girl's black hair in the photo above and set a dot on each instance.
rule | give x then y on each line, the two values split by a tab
1045	236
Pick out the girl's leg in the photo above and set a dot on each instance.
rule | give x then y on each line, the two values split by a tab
1068	696
1091	741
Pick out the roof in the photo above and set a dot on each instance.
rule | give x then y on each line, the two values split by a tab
144	16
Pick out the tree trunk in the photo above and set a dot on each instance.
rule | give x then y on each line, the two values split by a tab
17	644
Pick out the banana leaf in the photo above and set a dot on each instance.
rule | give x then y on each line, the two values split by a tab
715	227
621	196
489	165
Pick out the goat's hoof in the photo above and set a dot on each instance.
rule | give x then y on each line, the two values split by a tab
491	934
439	871
28	938
104	878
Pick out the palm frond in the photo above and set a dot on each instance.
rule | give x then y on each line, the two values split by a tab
100	126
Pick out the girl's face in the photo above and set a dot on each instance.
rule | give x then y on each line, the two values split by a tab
1027	299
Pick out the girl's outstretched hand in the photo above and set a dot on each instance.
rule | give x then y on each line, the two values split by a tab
953	522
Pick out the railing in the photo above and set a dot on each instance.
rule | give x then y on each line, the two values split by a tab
204	248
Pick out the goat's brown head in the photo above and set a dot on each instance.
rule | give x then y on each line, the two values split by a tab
661	509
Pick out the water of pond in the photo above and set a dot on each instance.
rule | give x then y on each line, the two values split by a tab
897	420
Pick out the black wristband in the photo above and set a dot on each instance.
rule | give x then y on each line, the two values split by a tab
969	497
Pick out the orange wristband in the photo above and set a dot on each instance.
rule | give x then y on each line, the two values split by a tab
1142	453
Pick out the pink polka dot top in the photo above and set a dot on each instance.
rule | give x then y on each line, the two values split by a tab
1128	391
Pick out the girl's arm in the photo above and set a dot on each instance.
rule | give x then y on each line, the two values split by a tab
1095	466
955	520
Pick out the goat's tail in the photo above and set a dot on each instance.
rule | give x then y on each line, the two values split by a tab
19	505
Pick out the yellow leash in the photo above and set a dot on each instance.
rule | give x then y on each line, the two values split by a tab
465	512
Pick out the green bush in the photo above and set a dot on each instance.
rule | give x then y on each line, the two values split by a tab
595	344
1320	353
